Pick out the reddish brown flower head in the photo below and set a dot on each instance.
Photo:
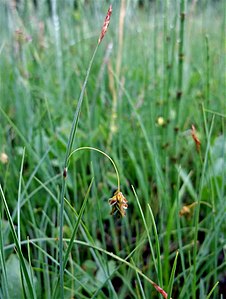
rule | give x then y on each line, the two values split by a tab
185	210
118	203
195	138
106	24
160	290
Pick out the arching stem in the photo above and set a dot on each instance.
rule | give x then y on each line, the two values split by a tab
101	152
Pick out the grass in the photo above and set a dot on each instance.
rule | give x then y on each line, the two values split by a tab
156	73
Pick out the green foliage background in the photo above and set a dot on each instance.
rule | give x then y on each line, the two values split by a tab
134	85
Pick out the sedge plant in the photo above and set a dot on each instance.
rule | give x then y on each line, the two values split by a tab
118	201
69	147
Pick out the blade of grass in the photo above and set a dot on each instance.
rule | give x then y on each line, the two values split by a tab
77	224
94	247
23	198
197	211
157	245
19	251
142	295
70	245
19	196
170	286
156	265
212	290
4	279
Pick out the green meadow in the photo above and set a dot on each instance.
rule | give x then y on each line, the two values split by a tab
135	114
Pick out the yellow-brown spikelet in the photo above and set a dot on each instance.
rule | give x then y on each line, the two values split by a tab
187	210
4	158
118	203
195	138
106	24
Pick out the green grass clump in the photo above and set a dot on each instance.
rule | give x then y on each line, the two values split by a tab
158	72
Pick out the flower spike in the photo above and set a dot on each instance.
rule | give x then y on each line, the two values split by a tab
195	138
118	203
106	24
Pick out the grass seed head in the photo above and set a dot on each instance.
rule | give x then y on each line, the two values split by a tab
161	291
119	204
187	210
4	158
195	138
106	24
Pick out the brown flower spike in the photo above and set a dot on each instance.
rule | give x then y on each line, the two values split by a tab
118	203
106	24
195	138
186	210
160	290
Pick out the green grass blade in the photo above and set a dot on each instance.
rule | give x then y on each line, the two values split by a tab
4	279
212	290
19	251
170	286
148	236
19	196
70	245
157	246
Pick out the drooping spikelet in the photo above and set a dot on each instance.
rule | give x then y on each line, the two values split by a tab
106	24
195	138
118	203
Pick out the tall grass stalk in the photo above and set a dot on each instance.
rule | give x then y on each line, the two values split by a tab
207	71
57	37
181	56
68	151
197	211
112	85
69	147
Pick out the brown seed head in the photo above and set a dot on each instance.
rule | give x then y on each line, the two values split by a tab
161	291
106	24
185	210
118	203
195	138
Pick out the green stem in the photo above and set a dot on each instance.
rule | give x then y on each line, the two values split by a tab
207	71
77	112
180	60
197	214
101	152
68	150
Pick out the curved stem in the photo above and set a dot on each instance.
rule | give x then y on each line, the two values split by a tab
101	152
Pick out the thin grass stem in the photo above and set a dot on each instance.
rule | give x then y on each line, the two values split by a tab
68	151
101	152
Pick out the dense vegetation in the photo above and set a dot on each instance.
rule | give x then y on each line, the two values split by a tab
155	104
